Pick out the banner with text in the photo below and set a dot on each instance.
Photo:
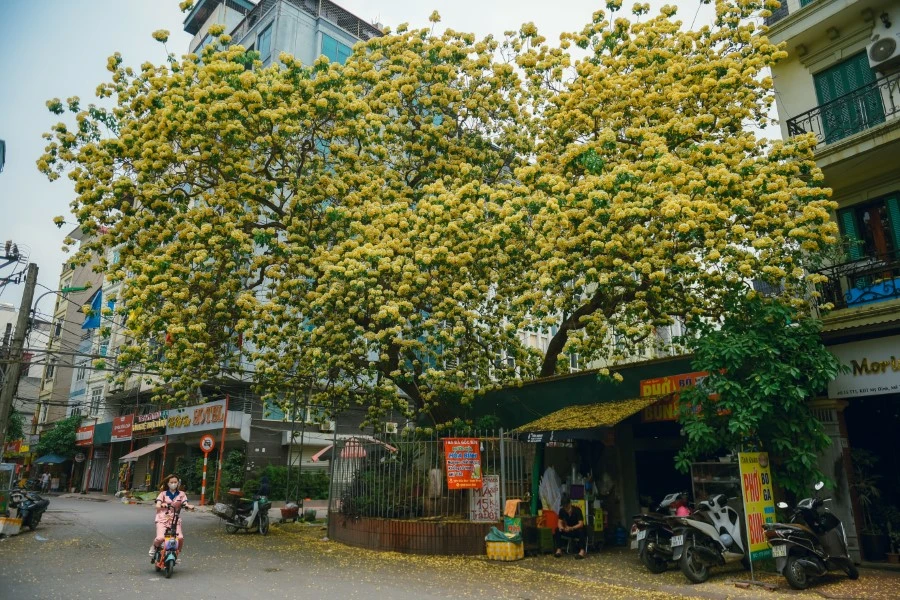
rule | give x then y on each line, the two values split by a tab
872	368
484	503
463	461
667	409
121	429
149	425
84	436
759	503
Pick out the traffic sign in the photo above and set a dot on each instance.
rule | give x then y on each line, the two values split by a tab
207	443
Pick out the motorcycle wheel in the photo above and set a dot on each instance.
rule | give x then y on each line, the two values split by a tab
264	524
795	574
694	571
34	523
745	562
229	528
852	572
653	563
169	568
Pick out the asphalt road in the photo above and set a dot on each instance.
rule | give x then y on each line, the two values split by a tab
95	550
87	550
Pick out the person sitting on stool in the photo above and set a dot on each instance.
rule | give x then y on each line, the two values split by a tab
571	524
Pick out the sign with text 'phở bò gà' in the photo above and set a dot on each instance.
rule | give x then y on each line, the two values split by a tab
462	458
759	503
667	408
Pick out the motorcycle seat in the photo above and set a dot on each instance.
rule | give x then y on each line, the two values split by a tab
797	527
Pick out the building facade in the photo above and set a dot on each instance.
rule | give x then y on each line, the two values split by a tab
841	82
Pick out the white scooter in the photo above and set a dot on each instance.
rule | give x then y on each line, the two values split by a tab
709	537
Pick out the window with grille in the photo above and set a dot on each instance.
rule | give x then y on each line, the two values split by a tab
96	397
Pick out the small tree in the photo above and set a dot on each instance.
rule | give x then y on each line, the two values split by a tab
764	365
61	439
15	430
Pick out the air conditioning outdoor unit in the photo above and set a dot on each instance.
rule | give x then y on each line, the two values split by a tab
326	426
884	50
390	427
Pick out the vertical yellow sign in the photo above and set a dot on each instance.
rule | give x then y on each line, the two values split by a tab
759	503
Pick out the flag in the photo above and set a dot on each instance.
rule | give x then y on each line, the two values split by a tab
92	318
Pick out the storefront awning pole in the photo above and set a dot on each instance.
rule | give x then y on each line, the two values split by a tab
536	478
221	450
163	463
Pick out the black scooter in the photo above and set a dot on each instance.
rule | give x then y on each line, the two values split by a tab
244	513
653	535
30	506
811	544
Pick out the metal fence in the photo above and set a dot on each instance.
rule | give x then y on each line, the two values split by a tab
404	476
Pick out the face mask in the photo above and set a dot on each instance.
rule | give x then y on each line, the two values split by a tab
173	486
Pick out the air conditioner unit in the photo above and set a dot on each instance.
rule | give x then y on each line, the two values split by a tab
884	51
326	426
390	427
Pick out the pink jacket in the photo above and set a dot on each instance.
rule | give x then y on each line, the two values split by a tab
161	515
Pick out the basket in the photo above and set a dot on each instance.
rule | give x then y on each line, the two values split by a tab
545	539
505	551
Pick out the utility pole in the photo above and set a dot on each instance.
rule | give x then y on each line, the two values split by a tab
15	353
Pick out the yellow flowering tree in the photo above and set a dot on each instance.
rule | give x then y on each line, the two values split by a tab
652	196
380	231
345	226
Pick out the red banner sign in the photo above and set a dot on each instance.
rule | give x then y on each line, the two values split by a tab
84	436
667	409
463	461
121	428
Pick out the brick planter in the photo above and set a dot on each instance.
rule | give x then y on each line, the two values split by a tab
411	537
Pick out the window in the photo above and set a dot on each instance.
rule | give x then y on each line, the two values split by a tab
96	397
872	229
58	329
849	104
334	50
81	372
51	369
264	41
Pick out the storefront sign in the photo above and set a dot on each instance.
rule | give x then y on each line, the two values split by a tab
484	503
463	461
667	408
79	458
759	504
121	428
84	436
202	417
874	368
150	424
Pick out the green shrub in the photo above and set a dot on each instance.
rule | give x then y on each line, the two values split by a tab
312	484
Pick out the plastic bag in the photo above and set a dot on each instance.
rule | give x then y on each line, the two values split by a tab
549	489
495	535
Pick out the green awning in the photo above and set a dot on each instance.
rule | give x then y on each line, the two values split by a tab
589	416
102	433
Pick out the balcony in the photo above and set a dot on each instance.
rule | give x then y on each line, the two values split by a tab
317	8
862	282
861	109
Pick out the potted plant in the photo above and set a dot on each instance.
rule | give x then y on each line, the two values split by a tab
894	555
873	540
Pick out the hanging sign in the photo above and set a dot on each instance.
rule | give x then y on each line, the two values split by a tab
759	503
84	436
149	425
484	503
667	408
463	462
201	417
121	428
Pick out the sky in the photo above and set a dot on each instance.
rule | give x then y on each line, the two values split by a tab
58	49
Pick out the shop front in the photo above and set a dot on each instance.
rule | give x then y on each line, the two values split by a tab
98	466
143	470
186	426
121	443
863	412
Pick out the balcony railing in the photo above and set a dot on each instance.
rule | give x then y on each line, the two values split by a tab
317	8
862	282
861	109
783	11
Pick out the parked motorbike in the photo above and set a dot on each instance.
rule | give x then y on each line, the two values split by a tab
167	555
709	537
811	544
243	513
30	506
653	533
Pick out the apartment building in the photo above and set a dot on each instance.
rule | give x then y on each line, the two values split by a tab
841	82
